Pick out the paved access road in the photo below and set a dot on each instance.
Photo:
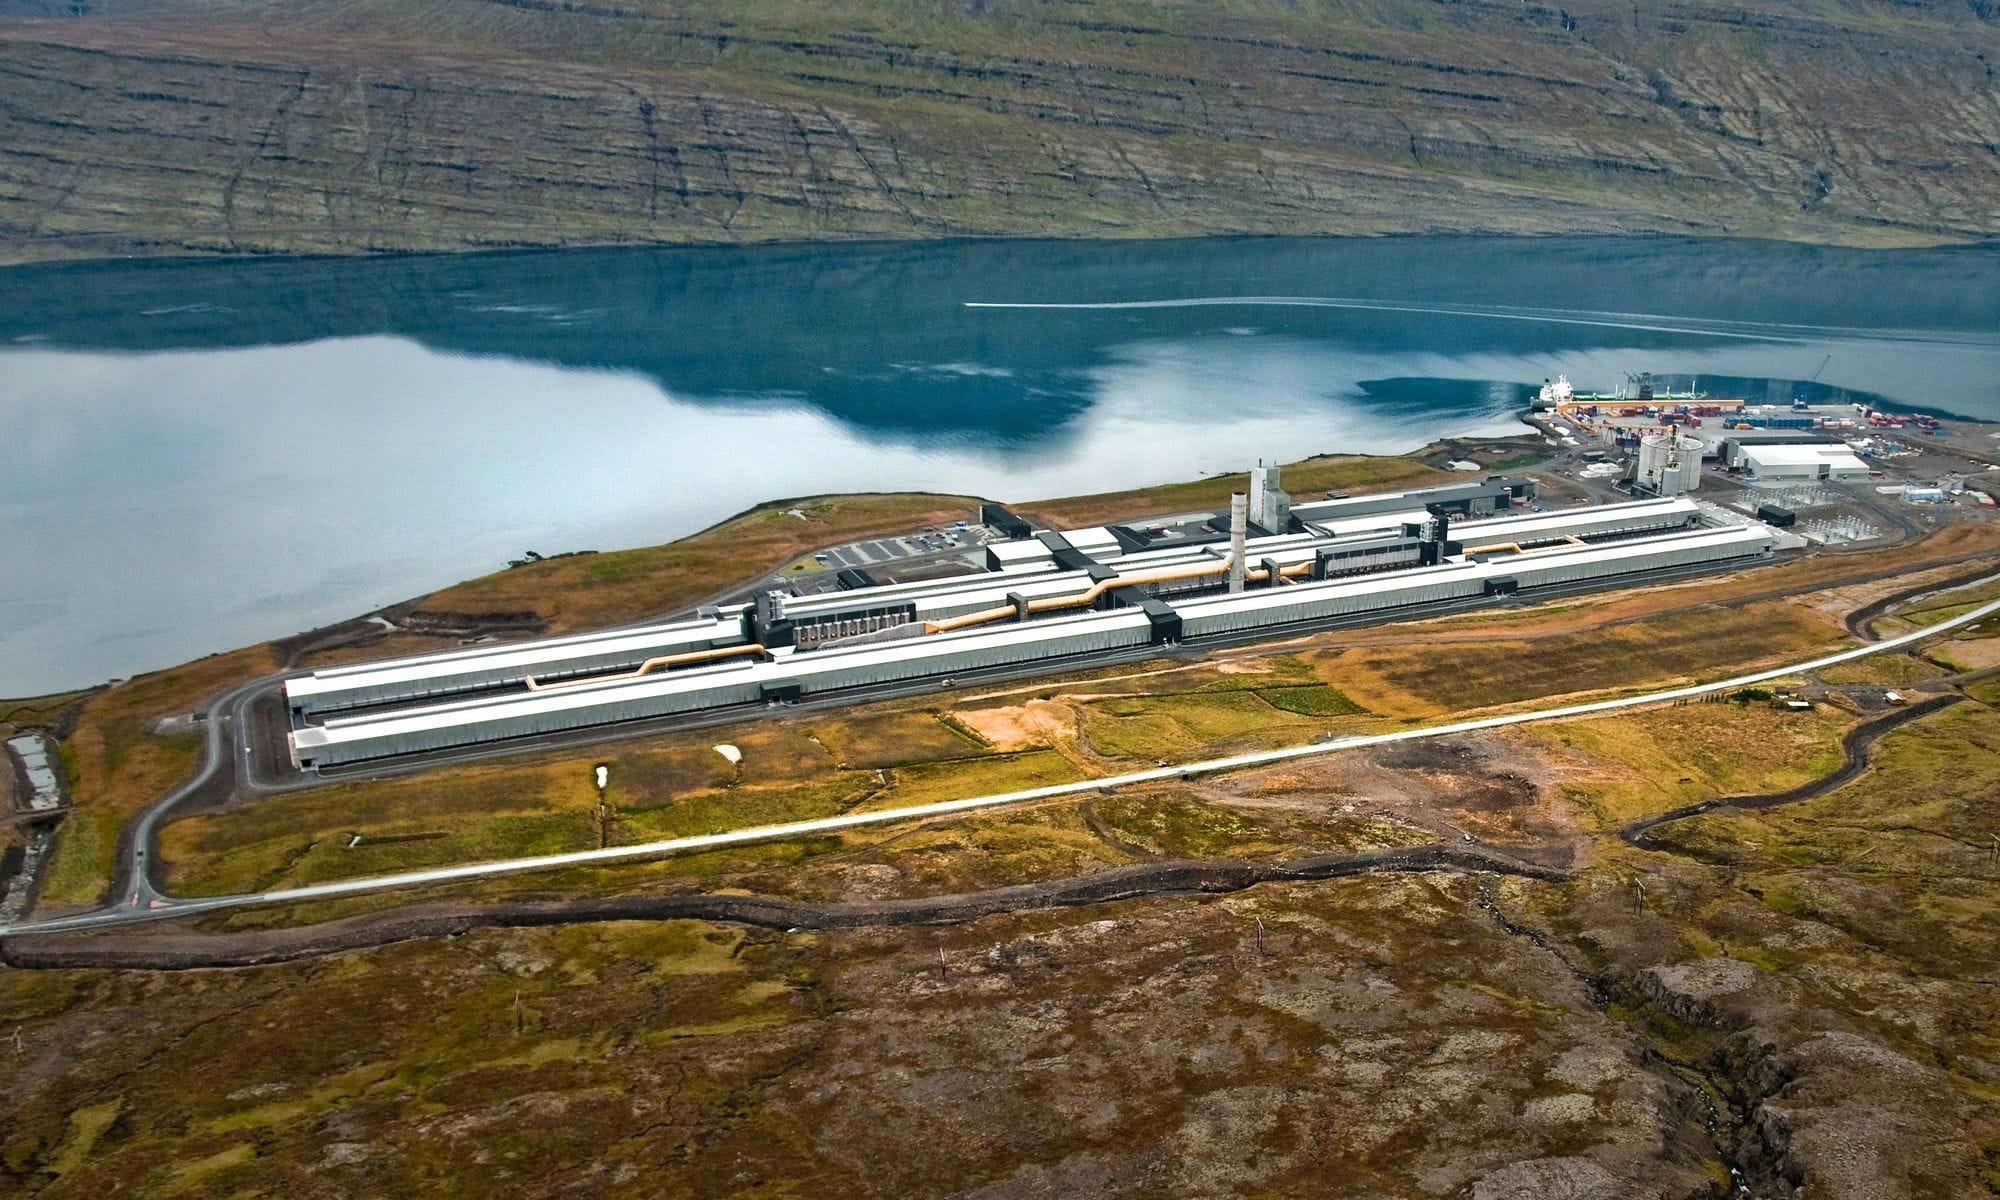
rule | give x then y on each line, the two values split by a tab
225	727
157	910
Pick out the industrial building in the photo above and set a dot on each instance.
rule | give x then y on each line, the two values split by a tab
1792	461
1727	445
1270	506
1459	499
1049	600
364	685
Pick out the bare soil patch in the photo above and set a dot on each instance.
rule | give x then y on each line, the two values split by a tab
1019	726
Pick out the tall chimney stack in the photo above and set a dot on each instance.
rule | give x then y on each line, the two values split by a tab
1239	533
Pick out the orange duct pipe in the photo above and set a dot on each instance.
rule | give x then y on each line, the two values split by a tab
650	665
1089	595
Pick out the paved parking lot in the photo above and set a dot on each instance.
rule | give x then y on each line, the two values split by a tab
877	551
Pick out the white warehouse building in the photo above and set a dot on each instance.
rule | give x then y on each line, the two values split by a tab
1787	461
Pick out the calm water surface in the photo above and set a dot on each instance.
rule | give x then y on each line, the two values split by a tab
196	456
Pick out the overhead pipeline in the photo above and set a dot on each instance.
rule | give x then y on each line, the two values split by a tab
1089	595
649	666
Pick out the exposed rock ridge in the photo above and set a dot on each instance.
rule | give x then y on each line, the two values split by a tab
336	127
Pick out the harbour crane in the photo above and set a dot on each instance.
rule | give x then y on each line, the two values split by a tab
1799	393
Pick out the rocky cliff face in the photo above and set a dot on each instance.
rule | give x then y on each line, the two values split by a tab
349	126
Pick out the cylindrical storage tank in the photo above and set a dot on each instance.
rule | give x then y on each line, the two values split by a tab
1690	449
1654	454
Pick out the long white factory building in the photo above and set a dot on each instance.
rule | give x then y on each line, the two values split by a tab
1051	599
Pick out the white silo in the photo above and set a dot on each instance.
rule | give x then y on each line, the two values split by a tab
1669	464
1656	453
1688	451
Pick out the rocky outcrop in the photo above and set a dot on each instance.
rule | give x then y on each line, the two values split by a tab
1809	1106
1694	993
245	126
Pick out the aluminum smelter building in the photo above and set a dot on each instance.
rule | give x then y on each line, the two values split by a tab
1046	563
1008	622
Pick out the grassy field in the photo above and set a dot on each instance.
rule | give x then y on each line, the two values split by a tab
1886	670
1159	712
1173	727
1307	480
591	590
1414	1042
1424	678
1899	867
1940	607
1172	824
38	712
1658	759
903	753
896	738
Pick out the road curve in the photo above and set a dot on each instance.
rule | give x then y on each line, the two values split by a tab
918	812
133	886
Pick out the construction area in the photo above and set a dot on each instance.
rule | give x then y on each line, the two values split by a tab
1046	600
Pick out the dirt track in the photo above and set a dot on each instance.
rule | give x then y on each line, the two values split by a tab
1854	747
1861	622
187	950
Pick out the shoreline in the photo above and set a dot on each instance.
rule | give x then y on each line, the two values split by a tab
9	262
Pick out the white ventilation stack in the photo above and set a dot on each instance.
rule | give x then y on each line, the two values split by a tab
1239	534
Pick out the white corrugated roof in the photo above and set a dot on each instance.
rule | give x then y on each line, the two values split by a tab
1512	521
495	708
475	652
1095	537
1385	581
1790	454
491	709
1369	523
522	656
1017	551
1497	568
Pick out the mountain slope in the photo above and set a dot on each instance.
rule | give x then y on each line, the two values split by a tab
348	126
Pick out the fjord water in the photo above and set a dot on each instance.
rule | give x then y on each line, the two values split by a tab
199	455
